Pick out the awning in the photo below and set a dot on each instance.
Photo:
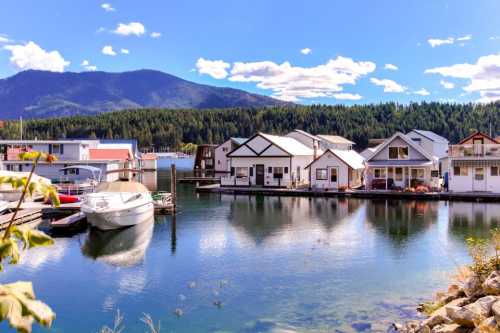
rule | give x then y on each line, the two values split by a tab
476	163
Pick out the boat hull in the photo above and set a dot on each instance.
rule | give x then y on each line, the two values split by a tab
117	219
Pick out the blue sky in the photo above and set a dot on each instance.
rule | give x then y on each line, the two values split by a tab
359	51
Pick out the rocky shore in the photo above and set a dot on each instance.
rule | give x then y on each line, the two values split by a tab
472	306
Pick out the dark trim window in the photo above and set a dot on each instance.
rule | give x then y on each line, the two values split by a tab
286	170
321	174
241	172
278	173
379	173
232	171
270	170
333	175
460	171
398	153
494	171
251	171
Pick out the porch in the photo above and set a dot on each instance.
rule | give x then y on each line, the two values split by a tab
400	175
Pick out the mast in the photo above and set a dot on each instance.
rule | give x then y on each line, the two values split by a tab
21	126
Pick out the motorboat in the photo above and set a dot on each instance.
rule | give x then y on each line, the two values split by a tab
118	204
78	179
10	194
124	247
3	206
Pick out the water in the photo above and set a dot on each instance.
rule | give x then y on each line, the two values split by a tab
258	264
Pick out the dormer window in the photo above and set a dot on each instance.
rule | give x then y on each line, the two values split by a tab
398	153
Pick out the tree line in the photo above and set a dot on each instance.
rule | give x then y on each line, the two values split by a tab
166	128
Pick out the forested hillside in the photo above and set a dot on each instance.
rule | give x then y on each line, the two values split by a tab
171	128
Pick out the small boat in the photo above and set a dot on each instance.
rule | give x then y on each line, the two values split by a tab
3	206
73	182
118	204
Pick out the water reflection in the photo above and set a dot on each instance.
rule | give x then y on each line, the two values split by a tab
401	220
473	219
124	247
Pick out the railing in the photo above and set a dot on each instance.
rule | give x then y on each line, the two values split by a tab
474	150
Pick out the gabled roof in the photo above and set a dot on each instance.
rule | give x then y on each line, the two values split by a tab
349	157
431	136
335	139
239	141
288	145
480	134
314	137
405	139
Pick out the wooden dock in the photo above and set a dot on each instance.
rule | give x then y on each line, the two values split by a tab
32	217
199	180
72	221
362	194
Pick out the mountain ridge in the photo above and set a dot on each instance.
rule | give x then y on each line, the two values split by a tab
44	94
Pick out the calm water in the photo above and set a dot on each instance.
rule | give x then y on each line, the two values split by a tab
274	264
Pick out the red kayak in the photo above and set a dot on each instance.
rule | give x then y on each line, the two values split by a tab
64	198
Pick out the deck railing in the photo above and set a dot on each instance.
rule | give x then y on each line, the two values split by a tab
478	150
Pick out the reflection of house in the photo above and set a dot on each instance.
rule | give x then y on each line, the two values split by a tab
476	218
400	162
336	169
475	164
221	151
205	157
107	157
269	160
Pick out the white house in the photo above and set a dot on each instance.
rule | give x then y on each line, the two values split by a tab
400	162
269	161
431	142
475	164
221	151
336	169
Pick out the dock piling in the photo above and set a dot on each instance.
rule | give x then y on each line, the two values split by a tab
173	186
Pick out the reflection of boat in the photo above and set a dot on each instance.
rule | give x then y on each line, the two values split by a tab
118	204
8	193
124	247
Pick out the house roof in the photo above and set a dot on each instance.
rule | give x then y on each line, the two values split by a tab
239	141
335	139
431	136
404	138
109	154
314	137
478	133
368	152
289	145
349	157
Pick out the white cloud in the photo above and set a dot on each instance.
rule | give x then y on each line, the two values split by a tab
389	85
483	76
4	39
155	34
215	68
32	56
433	42
348	96
447	84
87	66
391	67
305	51
124	51
422	92
494	38
291	83
132	28
108	50
107	7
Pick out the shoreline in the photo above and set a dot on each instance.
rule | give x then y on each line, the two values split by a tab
361	194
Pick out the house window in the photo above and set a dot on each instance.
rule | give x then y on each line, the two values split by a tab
56	148
270	170
298	173
232	171
417	173
494	171
224	149
399	174
333	175
241	172
379	173
398	153
286	170
251	171
479	174
460	171
278	173
321	174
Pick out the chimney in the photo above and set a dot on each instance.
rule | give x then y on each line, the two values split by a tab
315	149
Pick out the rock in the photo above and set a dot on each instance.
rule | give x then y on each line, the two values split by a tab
491	285
482	307
456	302
451	328
461	316
454	292
436	319
472	286
495	309
487	325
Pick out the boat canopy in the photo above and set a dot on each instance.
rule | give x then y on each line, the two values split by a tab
119	186
96	172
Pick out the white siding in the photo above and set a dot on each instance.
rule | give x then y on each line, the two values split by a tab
466	183
413	154
221	160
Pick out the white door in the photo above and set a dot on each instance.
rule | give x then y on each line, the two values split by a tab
334	177
479	179
398	177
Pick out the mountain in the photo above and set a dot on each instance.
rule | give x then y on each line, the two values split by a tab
43	94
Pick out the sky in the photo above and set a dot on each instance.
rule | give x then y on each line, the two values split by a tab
309	52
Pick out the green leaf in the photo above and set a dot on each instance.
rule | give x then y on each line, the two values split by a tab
12	310
40	311
21	234
38	238
9	248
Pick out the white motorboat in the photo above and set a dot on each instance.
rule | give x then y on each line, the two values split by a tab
118	204
8	193
3	206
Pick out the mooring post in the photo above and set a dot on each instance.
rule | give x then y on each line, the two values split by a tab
173	187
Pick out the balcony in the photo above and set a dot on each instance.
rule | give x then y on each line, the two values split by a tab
474	151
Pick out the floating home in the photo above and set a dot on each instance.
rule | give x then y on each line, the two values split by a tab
221	151
475	164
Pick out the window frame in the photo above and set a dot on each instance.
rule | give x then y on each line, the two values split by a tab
278	172
399	150
241	172
497	173
325	177
382	173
